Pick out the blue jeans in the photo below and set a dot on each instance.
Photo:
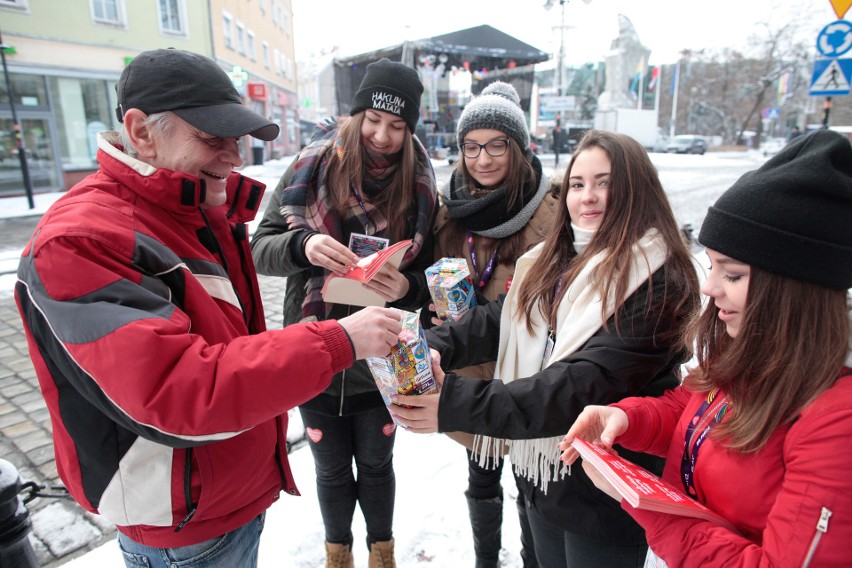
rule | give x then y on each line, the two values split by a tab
236	549
366	437
556	548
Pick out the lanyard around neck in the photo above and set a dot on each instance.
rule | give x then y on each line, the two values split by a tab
711	412
488	271
364	209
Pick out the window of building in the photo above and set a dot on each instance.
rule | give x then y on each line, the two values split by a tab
241	38
172	16
274	12
108	11
251	50
30	92
20	4
227	30
276	61
82	108
262	5
266	55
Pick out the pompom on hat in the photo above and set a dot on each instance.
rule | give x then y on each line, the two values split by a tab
498	107
793	215
390	87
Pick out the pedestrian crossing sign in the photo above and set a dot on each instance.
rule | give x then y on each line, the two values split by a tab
831	77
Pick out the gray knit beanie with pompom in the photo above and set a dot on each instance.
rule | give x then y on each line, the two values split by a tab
498	107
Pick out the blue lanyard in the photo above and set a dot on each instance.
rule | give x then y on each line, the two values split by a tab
364	209
482	279
711	412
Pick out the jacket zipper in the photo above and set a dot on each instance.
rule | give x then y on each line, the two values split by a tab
187	490
821	528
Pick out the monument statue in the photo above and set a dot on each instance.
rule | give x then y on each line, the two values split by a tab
626	56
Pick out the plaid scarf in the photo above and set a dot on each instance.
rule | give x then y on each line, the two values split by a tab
306	204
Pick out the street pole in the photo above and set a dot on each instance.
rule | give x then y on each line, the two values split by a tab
562	56
16	129
675	85
826	110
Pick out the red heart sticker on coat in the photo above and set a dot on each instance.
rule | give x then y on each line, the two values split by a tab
388	429
314	435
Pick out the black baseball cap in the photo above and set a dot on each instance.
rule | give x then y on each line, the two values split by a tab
193	87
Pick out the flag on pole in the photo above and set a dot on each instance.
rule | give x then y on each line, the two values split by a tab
655	72
674	78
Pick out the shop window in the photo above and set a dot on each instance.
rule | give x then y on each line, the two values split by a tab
82	108
29	90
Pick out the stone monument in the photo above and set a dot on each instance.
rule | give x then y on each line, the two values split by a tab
626	57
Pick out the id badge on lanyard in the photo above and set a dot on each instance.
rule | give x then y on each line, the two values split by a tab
548	349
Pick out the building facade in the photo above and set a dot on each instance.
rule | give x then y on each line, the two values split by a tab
63	60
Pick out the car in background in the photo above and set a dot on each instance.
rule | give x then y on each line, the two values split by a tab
687	144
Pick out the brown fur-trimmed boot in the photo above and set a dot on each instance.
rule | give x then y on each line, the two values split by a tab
381	555
338	555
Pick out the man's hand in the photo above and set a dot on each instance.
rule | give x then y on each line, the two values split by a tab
325	251
373	331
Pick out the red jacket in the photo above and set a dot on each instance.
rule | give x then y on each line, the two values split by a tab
791	501
168	398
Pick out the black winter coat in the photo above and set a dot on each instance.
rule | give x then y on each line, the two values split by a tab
642	361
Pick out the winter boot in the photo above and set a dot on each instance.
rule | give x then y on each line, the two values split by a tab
486	522
338	555
381	555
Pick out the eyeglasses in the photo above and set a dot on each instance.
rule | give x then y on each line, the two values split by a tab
495	148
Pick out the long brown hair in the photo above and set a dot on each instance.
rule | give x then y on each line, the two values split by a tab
520	176
394	203
790	347
635	203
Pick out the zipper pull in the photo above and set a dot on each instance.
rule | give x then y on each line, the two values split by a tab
822	525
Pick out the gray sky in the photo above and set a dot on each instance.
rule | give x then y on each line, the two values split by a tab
664	26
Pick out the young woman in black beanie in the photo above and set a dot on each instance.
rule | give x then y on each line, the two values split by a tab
363	177
559	347
759	432
497	205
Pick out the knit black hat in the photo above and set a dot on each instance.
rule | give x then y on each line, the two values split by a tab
390	87
498	107
791	216
192	86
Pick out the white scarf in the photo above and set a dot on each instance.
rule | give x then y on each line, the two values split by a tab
521	352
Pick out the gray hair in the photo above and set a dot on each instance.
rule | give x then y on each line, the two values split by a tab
161	123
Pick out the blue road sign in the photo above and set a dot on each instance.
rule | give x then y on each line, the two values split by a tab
831	77
835	39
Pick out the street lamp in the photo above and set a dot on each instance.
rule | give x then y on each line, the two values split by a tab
560	77
16	128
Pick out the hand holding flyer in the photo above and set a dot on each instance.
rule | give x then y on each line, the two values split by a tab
349	289
641	488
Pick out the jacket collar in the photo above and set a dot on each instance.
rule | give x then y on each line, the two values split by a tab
174	190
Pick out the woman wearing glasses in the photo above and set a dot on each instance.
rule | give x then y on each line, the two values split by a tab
497	205
595	313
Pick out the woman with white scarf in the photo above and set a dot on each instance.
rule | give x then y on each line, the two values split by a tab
594	314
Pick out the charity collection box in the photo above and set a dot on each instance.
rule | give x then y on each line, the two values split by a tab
408	367
451	288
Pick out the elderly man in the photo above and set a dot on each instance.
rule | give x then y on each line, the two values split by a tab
168	398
